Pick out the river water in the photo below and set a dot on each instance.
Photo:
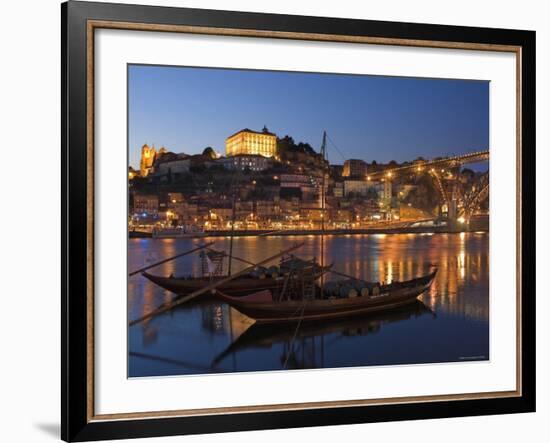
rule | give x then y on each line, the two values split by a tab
450	323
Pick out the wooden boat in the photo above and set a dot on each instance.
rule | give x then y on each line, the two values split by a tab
271	279
265	308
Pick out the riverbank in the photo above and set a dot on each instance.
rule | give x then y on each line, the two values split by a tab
289	232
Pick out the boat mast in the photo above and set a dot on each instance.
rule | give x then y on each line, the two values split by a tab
324	155
232	226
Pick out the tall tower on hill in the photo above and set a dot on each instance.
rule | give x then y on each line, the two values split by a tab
148	155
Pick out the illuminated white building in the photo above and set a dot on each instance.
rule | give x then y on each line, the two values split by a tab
248	142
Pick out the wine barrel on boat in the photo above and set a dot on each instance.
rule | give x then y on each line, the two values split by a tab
350	287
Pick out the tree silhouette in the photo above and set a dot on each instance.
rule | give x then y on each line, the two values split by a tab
209	152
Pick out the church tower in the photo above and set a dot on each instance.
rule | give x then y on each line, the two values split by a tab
147	159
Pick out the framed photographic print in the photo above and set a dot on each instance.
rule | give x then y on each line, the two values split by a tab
277	221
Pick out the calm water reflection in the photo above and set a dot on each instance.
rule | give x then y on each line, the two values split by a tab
451	323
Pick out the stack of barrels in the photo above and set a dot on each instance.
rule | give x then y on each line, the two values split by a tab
350	288
263	272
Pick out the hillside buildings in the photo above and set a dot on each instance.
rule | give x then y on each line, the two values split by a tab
243	162
278	186
354	168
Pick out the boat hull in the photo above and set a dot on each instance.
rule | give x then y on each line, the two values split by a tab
237	287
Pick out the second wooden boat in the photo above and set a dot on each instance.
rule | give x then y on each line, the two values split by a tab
267	308
272	279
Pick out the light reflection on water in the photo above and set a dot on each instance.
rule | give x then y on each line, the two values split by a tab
452	323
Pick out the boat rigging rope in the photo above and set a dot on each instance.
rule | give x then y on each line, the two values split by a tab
336	147
291	345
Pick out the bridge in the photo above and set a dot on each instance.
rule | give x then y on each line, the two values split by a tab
458	201
426	165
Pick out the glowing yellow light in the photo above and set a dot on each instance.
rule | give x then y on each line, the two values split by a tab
461	219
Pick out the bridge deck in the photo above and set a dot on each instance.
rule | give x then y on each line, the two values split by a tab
471	157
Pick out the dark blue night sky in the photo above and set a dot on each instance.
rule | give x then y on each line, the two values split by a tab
368	117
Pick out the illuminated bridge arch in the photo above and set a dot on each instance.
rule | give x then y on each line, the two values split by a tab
472	201
466	204
439	163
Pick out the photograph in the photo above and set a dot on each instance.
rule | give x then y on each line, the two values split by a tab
283	220
303	219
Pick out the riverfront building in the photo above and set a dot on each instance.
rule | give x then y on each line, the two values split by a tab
146	204
307	185
357	187
248	142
